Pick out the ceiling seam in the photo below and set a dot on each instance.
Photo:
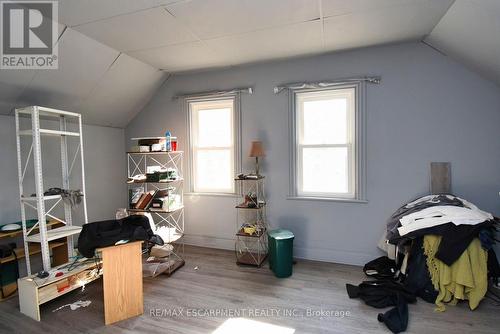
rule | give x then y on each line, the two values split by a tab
127	13
223	36
113	16
237	33
439	21
147	100
433	47
182	24
199	39
97	84
17	100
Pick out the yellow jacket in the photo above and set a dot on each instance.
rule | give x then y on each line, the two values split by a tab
465	279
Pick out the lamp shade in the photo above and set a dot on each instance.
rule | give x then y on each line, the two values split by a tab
257	150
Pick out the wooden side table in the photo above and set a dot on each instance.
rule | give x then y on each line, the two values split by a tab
122	281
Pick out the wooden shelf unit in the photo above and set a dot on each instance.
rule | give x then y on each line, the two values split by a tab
58	248
34	249
157	210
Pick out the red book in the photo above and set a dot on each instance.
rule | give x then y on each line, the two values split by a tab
144	200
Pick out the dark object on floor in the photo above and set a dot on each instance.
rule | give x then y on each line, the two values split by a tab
493	266
380	293
380	268
107	233
396	319
384	293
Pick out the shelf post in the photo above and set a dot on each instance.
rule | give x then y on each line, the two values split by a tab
80	127
21	190
37	160
65	180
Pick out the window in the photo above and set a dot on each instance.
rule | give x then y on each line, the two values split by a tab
327	150
213	136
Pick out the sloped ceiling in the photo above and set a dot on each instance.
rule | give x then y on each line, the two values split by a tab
105	85
191	35
470	32
114	54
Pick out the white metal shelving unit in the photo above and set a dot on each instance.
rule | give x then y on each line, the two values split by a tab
39	201
251	249
173	217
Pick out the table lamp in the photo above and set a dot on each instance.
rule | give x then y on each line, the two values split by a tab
256	151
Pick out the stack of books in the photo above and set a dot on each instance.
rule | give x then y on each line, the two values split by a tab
142	202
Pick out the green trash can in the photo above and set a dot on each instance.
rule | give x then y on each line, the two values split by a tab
280	243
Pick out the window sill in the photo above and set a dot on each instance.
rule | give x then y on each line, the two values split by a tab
213	194
328	199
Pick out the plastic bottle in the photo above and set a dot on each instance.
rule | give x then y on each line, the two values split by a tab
168	141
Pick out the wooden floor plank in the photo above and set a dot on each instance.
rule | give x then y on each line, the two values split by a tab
219	283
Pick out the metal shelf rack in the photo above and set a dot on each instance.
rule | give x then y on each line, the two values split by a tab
251	249
38	202
137	163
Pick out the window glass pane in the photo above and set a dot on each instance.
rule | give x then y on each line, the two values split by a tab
325	121
325	170
213	170
214	127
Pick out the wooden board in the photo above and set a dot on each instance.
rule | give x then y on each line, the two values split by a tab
35	249
28	298
122	282
13	234
8	290
50	292
440	178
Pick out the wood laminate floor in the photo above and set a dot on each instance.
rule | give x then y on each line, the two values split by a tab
202	301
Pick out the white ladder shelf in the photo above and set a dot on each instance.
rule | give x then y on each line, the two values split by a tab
39	201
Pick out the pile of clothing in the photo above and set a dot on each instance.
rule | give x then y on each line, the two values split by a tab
111	232
439	248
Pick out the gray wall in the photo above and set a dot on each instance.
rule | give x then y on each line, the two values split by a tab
427	108
105	163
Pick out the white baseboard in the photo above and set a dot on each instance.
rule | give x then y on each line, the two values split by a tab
335	255
209	242
315	254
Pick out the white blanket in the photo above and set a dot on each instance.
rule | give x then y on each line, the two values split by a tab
438	215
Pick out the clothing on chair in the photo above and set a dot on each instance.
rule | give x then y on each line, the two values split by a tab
466	279
108	232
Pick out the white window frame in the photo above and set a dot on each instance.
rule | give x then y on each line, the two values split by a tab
356	141
213	102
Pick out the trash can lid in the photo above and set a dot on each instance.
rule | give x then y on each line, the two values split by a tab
280	234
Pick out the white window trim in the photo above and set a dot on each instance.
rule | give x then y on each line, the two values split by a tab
358	149
236	140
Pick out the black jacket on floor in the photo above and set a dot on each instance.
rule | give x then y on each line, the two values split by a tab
380	293
384	293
